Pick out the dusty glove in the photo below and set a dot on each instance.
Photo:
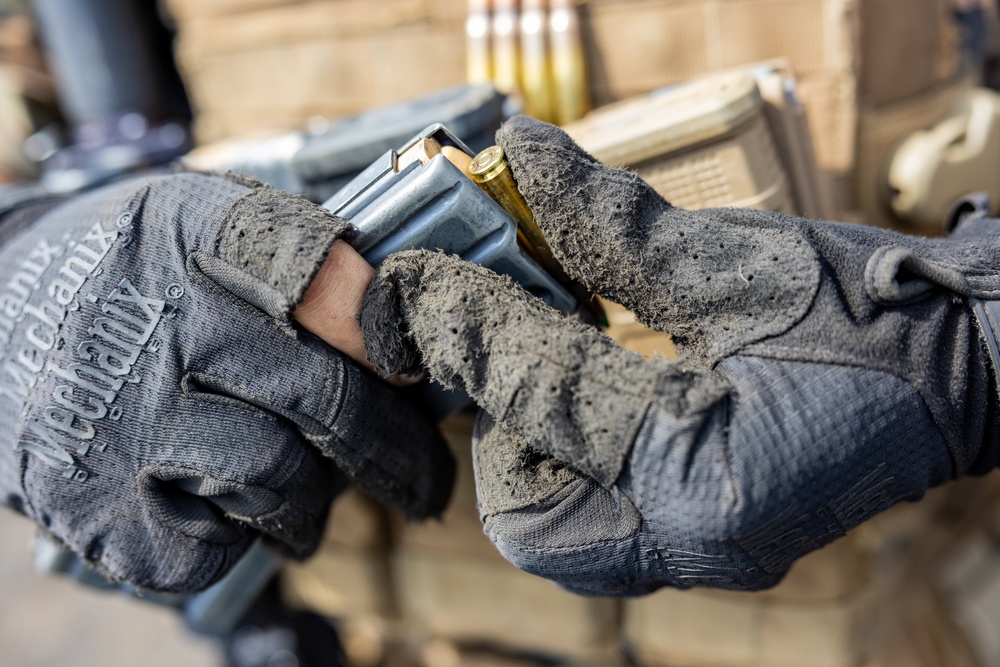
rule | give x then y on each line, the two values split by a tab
160	409
827	372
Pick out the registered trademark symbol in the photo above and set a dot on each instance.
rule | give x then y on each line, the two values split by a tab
124	220
175	291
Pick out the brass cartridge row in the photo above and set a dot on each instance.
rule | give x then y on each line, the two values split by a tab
531	50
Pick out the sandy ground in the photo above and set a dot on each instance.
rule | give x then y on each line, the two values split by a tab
51	622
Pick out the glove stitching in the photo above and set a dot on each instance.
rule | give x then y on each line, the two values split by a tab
195	271
335	394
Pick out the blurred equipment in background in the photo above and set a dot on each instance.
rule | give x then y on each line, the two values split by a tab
990	65
244	611
933	168
504	51
119	92
318	162
216	611
715	142
27	93
569	69
478	58
868	72
977	21
270	635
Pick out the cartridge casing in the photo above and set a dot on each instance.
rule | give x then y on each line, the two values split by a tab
489	170
536	61
569	72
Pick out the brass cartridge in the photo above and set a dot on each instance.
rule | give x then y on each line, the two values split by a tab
490	171
536	70
505	53
478	57
572	97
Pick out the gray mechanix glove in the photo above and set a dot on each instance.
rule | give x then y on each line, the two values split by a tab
828	371
159	408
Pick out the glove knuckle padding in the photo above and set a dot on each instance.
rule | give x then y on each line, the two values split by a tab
736	499
901	305
160	413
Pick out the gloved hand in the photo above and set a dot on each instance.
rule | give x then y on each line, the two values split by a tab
160	408
827	372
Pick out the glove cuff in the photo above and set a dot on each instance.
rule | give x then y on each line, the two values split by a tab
281	240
